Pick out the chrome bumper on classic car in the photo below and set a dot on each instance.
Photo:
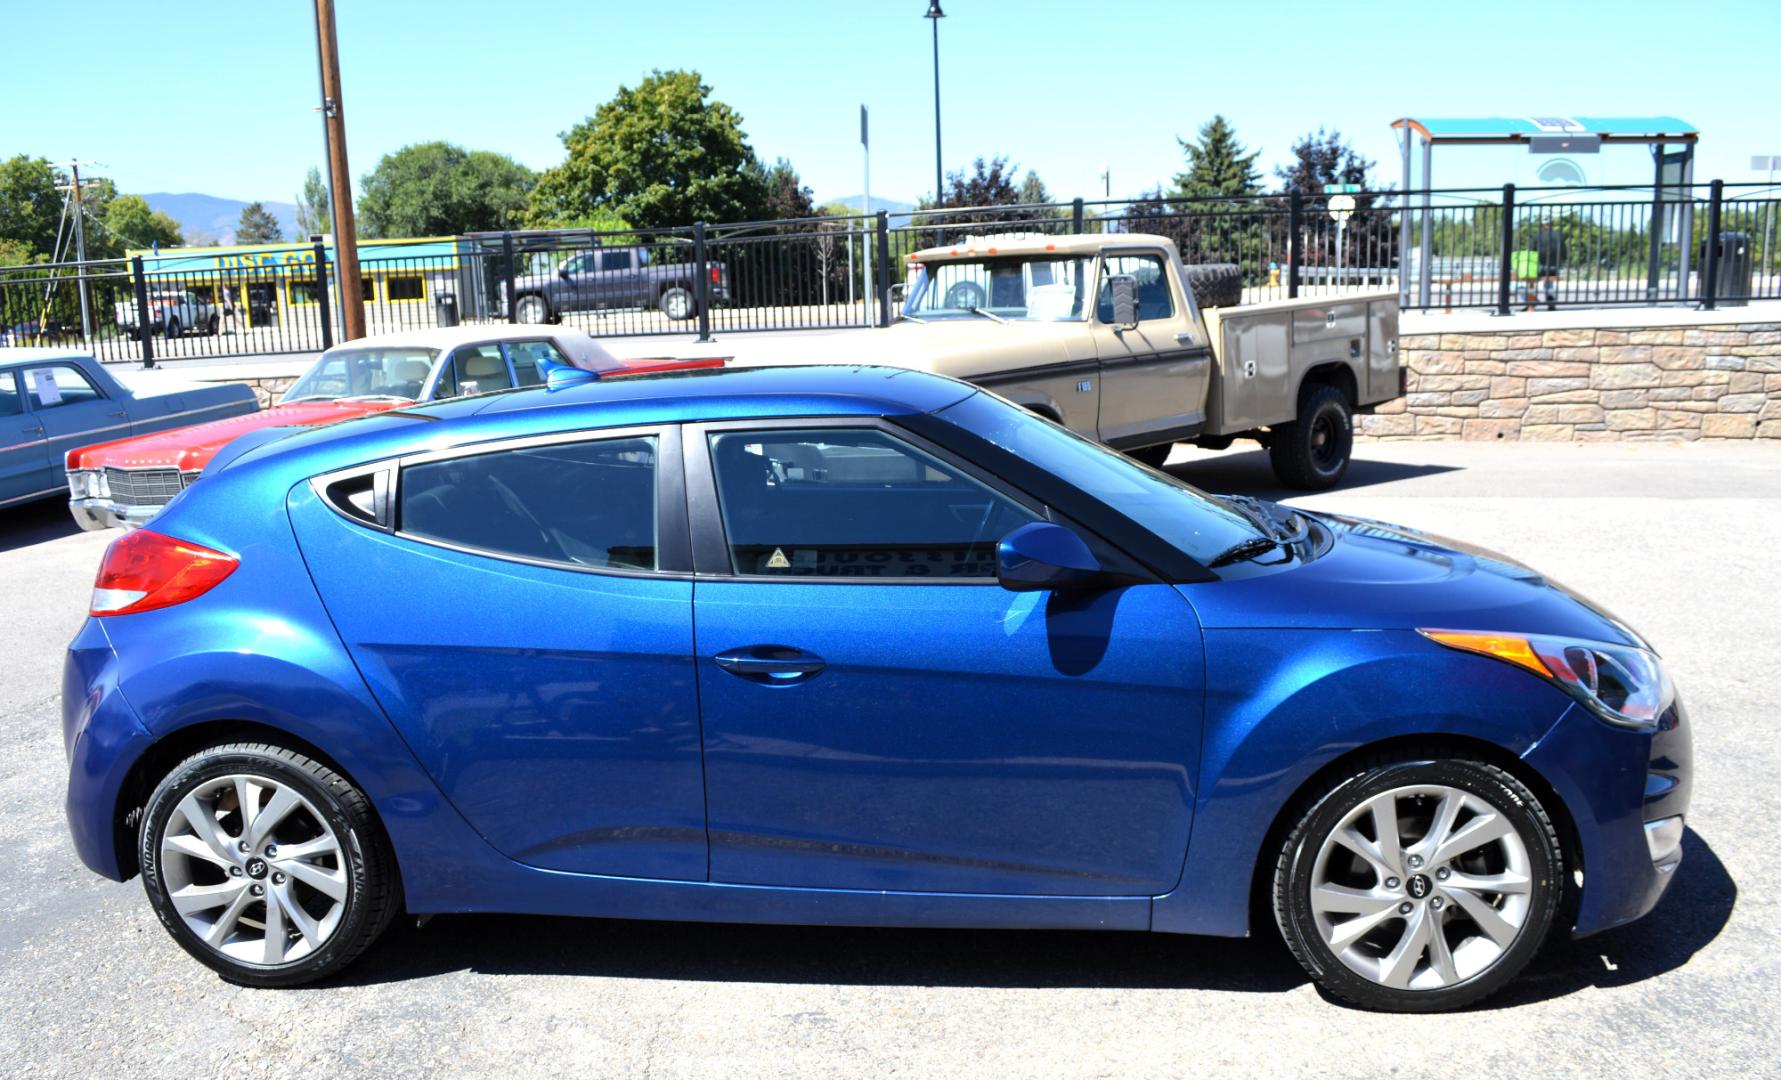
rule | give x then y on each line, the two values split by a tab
113	498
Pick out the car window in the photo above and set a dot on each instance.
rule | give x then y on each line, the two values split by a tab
854	503
615	260
478	369
529	358
580	264
58	385
10	402
393	372
583	503
1154	301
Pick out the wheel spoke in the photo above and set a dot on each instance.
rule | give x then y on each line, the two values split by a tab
1366	849
306	925
272	948
1440	955
1344	900
307	849
225	923
1395	970
330	883
1506	884
1344	934
1477	832
1385	826
246	795
1489	919
195	898
278	808
189	844
202	820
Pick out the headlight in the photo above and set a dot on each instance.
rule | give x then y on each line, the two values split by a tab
1621	684
88	484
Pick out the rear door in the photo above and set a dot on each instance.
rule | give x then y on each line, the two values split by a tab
26	471
1153	377
523	613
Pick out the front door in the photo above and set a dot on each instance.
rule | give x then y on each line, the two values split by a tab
26	471
74	413
1154	375
879	714
549	686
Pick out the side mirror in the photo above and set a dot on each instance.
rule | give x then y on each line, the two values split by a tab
563	271
1042	555
1125	300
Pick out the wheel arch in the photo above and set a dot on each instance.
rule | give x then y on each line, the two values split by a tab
1336	373
147	771
1412	746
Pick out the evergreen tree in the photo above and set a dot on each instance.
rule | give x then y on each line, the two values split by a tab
1217	164
257	226
314	214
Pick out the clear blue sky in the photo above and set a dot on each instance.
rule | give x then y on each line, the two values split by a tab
218	97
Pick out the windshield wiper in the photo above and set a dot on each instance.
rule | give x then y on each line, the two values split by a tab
987	315
405	412
1244	549
1250	509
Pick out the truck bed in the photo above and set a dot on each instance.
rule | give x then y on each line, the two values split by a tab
1263	351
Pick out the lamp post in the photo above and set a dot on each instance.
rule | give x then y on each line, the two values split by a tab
935	15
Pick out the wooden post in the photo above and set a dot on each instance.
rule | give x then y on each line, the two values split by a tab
346	238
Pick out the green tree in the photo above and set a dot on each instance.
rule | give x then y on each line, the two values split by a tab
315	215
30	205
662	153
1033	189
1217	164
1320	158
257	226
438	189
132	224
787	197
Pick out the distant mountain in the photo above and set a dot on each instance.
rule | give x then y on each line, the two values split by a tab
891	206
211	219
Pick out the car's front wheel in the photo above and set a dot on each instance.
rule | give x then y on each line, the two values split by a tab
533	309
172	328
266	865
676	303
1417	884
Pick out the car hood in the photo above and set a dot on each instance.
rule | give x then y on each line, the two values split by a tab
960	348
190	448
1380	576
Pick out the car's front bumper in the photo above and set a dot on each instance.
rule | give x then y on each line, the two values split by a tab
1628	793
94	514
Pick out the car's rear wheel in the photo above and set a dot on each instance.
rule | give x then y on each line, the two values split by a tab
265	865
533	309
1312	452
215	324
676	303
172	328
1419	884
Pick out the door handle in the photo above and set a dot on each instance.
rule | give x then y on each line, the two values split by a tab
1184	337
770	663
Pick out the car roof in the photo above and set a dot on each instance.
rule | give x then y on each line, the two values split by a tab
975	247
712	394
450	337
37	355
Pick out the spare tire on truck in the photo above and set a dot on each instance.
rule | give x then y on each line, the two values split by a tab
1216	284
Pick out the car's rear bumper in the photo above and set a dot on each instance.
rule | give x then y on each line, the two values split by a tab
96	514
103	738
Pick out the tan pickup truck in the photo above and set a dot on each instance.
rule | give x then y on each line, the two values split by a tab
1103	333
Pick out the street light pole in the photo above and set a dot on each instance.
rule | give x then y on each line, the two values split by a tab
935	15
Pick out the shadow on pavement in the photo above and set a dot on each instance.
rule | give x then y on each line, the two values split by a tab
1689	917
513	945
35	523
1250	473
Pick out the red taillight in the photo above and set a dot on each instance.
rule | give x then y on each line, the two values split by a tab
717	275
145	570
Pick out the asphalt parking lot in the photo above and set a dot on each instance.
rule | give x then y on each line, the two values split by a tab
1680	541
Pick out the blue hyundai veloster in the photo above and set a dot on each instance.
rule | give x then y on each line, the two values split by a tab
845	646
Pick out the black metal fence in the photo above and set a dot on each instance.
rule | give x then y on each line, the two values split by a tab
1501	248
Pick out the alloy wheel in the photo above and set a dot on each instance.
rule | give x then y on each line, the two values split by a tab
253	870
1421	887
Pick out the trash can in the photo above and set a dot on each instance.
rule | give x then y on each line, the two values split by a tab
1731	287
447	306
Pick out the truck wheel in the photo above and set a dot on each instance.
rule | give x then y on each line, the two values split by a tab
676	303
1153	456
1216	284
1313	451
172	328
533	309
216	323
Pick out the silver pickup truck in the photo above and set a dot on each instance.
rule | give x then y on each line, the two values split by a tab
1103	333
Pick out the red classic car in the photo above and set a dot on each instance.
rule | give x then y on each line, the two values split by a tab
123	483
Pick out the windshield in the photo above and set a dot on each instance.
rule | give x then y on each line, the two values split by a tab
1179	513
365	373
1030	288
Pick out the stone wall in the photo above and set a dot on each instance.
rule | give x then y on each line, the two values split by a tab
267	390
1589	385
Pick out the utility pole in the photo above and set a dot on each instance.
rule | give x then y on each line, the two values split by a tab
866	201
80	246
346	238
935	15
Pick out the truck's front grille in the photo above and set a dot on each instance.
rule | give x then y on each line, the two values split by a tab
143	487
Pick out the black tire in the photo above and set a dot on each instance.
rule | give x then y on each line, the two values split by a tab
216	323
1216	284
373	890
677	303
1153	456
1312	452
172	328
1294	877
